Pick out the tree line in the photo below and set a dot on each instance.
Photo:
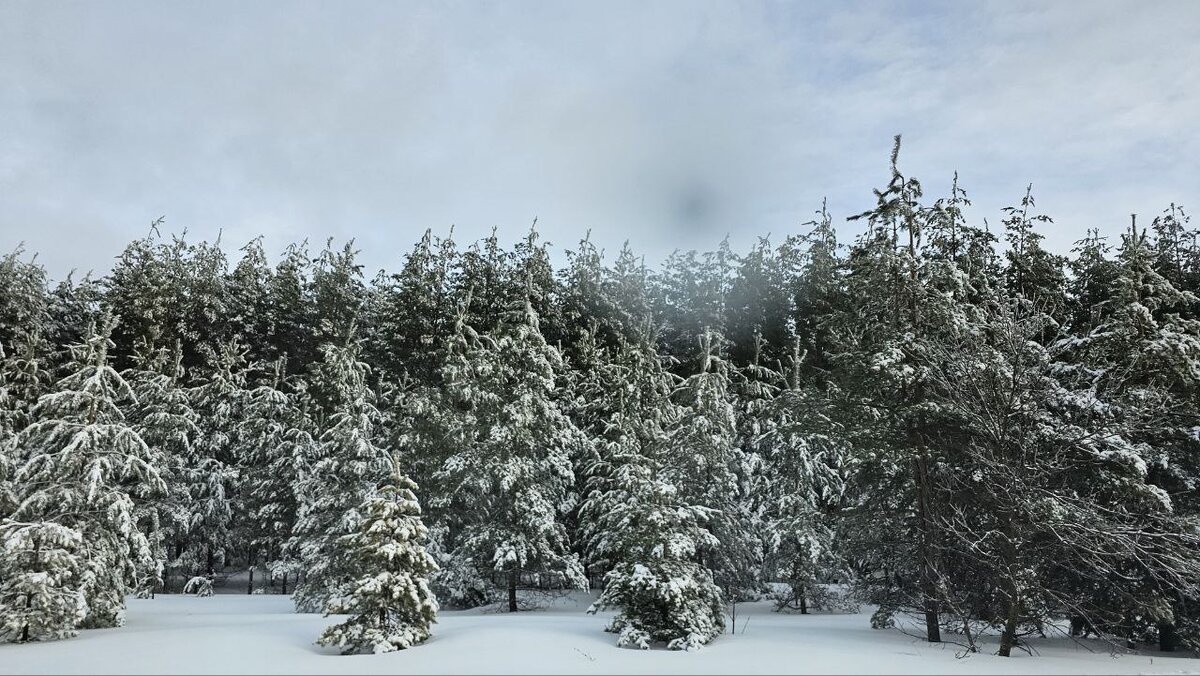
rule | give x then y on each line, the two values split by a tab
956	424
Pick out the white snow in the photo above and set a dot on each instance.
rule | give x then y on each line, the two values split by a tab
231	633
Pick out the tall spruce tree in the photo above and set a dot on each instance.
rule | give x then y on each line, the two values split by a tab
507	483
711	470
640	525
348	468
275	441
213	477
77	465
805	456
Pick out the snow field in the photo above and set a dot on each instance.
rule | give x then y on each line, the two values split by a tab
260	634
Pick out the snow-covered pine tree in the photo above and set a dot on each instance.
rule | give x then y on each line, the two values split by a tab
709	469
590	315
1092	281
41	580
8	403
688	298
408	314
507	485
74	305
662	593
628	281
1145	360
639	524
78	463
212	479
1032	272
1050	508
167	292
813	266
533	277
482	280
274	444
24	305
805	456
148	286
291	311
337	293
348	468
758	306
26	376
1175	252
387	591
893	306
163	417
629	380
250	302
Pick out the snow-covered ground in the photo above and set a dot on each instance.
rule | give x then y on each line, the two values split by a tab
230	633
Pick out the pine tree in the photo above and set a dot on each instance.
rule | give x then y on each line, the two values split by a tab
409	314
74	306
483	280
1093	281
212	478
1175	251
41	579
688	298
26	374
163	417
629	281
805	455
348	468
897	305
1144	357
250	302
78	463
24	300
387	595
507	485
274	442
813	264
758	307
337	294
1050	508
589	307
1033	273
291	310
640	525
709	469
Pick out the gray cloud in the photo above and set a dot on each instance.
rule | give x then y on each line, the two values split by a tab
665	123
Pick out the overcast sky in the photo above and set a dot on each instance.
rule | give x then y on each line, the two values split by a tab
668	124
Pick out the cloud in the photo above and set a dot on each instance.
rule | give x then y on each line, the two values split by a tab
665	123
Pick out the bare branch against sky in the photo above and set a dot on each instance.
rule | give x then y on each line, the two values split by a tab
665	123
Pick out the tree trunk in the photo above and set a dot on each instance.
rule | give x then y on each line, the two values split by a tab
512	591
250	583
803	601
25	627
1009	637
284	590
933	629
1168	639
1077	627
37	562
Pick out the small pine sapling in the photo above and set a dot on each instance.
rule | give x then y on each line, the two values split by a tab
388	600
